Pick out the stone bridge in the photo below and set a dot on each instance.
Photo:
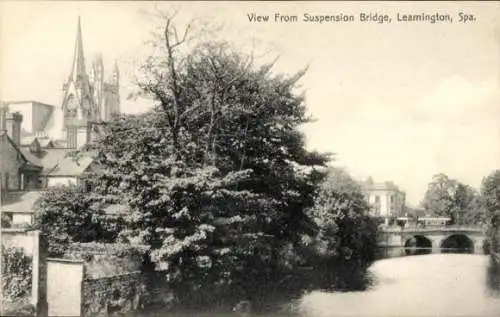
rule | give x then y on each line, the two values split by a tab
439	239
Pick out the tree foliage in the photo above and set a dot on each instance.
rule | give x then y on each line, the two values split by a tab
447	197
6	221
16	274
340	213
345	241
438	198
69	214
490	191
216	176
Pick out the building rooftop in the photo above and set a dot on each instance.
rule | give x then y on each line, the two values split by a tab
57	162
28	101
31	162
371	185
69	166
20	201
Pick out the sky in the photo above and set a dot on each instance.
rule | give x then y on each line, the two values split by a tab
395	101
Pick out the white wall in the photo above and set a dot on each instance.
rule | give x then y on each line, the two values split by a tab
384	201
58	181
64	285
19	239
21	218
81	137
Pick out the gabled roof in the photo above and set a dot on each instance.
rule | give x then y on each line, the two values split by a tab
59	144
56	162
47	158
30	156
20	201
30	139
45	142
29	161
370	185
71	167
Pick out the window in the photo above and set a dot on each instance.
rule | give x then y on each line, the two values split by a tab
39	182
391	199
377	199
71	137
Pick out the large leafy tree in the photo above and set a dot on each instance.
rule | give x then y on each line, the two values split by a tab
340	213
468	207
490	192
346	236
217	177
450	198
438	198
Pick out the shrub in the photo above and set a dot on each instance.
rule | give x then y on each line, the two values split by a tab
16	269
18	308
6	221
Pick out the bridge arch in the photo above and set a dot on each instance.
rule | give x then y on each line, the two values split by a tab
457	243
418	244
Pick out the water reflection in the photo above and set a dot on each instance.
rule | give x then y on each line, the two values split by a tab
430	285
493	277
421	284
457	244
418	251
384	253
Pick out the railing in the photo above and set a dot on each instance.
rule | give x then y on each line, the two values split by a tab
434	229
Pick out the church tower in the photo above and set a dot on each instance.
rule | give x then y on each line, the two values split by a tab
88	99
111	95
98	84
78	105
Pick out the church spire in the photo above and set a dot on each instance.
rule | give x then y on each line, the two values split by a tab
78	71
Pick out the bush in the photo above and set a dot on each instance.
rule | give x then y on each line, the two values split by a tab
16	269
18	308
6	221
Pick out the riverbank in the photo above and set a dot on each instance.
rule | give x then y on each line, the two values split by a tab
451	285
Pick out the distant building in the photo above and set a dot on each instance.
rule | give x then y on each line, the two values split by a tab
386	199
36	139
87	100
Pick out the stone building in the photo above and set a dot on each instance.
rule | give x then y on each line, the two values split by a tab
87	97
87	100
36	139
386	199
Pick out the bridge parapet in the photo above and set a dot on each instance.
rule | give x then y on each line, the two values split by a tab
398	237
460	229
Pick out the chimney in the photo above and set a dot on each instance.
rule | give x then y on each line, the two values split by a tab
13	126
3	117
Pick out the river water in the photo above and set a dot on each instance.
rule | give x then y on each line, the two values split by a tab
431	285
437	285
